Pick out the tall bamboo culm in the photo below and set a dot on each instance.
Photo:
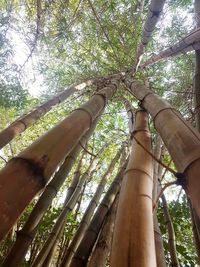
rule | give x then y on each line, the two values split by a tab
179	137
69	205
155	9
28	232
25	175
84	249
89	212
133	240
22	123
102	248
186	44
157	173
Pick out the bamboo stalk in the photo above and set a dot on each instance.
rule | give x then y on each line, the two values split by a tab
85	247
22	123
133	240
188	43
24	176
153	15
29	230
157	173
103	246
70	191
160	257
157	154
181	140
89	213
196	97
171	234
68	207
131	115
195	227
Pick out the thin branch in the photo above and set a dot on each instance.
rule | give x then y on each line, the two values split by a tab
3	159
104	32
152	155
38	31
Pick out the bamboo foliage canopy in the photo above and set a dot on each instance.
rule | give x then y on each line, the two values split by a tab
67	68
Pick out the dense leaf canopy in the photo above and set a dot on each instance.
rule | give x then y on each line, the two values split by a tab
47	45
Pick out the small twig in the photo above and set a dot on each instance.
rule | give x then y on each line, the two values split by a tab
156	159
3	159
104	32
91	154
38	31
162	191
165	170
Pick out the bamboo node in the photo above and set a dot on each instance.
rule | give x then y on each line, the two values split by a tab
181	179
87	151
37	168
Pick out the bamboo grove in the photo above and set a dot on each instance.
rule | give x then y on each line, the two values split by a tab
105	171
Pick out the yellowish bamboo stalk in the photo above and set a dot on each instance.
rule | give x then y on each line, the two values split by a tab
24	176
133	240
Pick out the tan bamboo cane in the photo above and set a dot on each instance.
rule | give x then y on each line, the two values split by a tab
154	11
89	212
133	240
85	247
157	173
24	176
171	234
22	123
69	205
103	246
28	232
180	138
188	43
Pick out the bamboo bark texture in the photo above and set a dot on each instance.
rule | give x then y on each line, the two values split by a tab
160	256
195	228
155	9
157	172
89	212
181	140
188	43
70	203
103	245
24	176
22	123
133	240
87	243
29	230
171	234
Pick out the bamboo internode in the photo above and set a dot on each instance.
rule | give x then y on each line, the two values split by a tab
180	138
85	247
133	240
89	212
31	170
28	232
187	44
155	9
22	123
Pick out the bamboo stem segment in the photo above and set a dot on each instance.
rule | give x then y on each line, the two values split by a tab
181	140
85	247
133	240
29	230
188	43
23	177
22	123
